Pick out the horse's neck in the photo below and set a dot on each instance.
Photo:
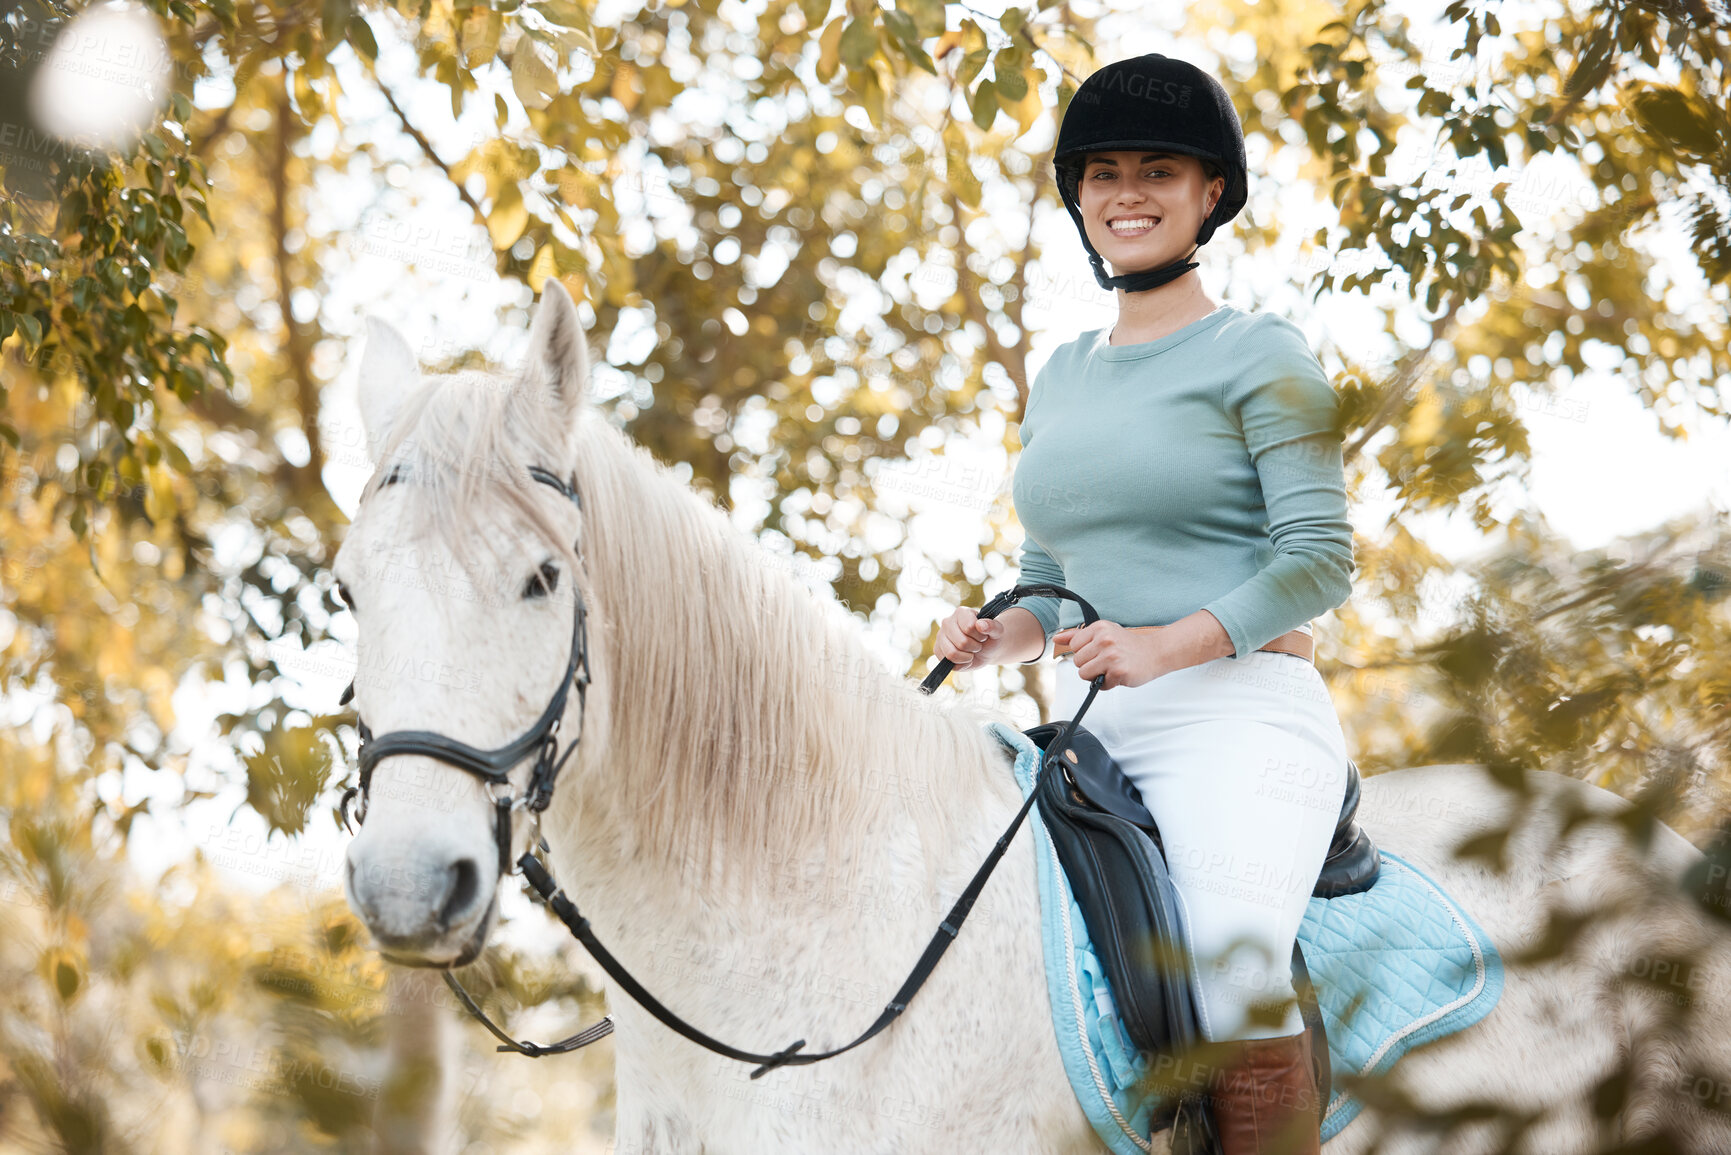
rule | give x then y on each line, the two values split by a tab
911	795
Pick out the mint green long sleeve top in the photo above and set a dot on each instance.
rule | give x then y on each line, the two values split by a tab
1199	471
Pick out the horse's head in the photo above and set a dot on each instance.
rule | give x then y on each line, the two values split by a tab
462	571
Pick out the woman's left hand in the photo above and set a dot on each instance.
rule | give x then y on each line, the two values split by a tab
1126	658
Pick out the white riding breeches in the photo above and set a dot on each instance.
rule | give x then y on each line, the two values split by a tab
1242	762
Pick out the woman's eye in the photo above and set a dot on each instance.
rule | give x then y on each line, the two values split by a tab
542	583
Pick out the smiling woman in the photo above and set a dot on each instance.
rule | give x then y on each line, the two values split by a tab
1155	198
1182	471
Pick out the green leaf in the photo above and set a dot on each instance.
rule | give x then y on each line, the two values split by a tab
901	26
859	42
1675	118
1012	83
334	19
361	36
985	104
1066	91
32	330
815	11
927	15
971	65
1593	66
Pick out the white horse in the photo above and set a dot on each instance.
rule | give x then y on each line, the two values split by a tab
765	826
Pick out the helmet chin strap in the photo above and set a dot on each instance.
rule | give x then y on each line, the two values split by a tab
1146	279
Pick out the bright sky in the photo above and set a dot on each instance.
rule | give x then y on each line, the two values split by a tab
1600	467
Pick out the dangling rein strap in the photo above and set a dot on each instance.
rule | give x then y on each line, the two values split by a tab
791	1055
592	1033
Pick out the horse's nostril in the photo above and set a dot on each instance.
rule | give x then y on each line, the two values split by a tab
465	882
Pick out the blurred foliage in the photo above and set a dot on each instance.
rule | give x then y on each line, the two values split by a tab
823	215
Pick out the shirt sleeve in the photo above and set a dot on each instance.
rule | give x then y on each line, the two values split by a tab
1288	413
1034	566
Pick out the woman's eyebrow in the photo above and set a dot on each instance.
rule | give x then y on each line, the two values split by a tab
1144	160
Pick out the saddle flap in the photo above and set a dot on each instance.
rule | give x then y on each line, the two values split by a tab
1097	775
1118	879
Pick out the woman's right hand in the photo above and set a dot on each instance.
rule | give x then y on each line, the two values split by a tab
965	640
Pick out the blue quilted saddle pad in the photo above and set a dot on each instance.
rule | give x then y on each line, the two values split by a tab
1399	965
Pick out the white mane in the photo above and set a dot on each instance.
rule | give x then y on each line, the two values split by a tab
727	754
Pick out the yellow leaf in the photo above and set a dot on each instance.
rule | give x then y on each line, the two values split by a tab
1028	109
542	268
510	216
624	87
956	168
871	95
532	77
159	503
1424	420
829	50
480	35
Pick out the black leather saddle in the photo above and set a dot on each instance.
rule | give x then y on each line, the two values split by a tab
1111	852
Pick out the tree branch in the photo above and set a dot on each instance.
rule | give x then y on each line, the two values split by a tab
296	347
426	146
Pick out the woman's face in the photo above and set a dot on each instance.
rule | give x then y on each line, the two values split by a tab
1142	210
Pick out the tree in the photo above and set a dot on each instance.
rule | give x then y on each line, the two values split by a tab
784	200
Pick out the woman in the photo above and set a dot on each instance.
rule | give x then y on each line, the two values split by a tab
1182	471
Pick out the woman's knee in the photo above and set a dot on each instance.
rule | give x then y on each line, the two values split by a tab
1248	992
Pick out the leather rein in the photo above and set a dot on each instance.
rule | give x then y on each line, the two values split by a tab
493	768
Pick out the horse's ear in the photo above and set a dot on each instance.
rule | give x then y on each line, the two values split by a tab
558	357
388	375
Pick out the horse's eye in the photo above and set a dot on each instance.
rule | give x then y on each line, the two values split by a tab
343	593
543	583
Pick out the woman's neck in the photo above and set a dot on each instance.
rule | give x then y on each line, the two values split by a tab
1158	313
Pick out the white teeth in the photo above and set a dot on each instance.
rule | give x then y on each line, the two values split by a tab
1131	225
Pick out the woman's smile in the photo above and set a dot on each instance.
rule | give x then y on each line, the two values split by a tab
1132	226
1143	209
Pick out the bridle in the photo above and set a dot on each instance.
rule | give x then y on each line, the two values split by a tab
493	767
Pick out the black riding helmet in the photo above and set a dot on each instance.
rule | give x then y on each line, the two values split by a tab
1151	102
